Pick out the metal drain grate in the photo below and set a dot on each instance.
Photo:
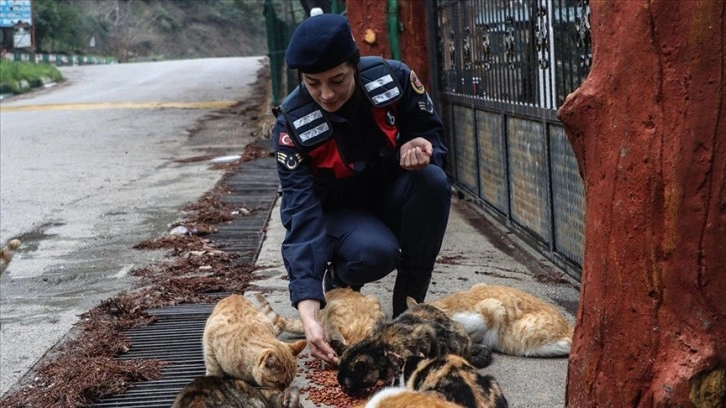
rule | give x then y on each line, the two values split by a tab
176	337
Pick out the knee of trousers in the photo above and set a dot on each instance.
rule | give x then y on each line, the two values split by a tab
372	261
431	182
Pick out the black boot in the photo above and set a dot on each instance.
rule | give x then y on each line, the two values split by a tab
409	283
332	281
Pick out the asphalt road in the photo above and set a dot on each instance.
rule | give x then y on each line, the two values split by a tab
87	171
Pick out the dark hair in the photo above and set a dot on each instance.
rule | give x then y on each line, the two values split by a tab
353	61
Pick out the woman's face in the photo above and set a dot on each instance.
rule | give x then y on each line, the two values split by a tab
332	88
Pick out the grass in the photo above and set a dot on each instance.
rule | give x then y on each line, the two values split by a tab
13	73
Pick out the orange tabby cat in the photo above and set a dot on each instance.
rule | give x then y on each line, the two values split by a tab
240	341
509	320
281	323
347	318
399	397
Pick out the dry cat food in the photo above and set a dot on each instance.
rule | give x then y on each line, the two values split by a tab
324	388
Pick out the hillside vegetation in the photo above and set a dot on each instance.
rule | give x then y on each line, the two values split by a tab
133	30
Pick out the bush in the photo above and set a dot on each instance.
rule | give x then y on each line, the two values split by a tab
13	73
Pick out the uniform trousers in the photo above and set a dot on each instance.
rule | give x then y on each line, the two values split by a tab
404	233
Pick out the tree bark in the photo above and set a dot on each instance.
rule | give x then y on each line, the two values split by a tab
649	132
365	15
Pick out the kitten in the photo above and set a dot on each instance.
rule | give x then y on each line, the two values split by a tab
454	379
217	392
509	320
7	252
400	397
348	317
420	329
240	341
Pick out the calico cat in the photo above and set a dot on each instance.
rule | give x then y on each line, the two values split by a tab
400	397
509	320
454	379
420	329
218	392
240	341
7	252
348	317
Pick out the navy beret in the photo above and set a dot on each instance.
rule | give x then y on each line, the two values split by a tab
320	43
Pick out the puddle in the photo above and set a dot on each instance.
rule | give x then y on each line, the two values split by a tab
31	240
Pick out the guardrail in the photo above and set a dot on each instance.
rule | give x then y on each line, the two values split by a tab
58	59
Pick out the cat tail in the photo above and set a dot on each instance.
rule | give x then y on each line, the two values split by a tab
6	253
281	323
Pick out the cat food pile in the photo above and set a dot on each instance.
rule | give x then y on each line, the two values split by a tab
324	388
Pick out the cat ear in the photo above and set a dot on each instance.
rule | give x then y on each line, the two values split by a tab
410	302
269	359
297	347
338	346
396	360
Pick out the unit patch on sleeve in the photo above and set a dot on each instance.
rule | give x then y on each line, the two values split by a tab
416	83
427	106
285	140
291	161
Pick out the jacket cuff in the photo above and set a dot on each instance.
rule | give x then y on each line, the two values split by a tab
306	288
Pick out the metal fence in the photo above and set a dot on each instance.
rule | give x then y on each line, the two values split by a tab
503	68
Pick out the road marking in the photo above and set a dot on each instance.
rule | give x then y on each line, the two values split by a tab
121	105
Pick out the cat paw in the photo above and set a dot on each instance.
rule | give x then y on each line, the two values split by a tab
481	356
291	397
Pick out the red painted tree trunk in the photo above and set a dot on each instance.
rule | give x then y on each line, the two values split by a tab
648	128
372	16
414	41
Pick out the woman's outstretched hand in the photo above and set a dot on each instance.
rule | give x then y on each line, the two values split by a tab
309	310
416	154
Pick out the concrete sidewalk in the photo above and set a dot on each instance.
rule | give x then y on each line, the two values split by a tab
474	250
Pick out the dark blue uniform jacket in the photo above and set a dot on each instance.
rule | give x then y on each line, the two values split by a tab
347	161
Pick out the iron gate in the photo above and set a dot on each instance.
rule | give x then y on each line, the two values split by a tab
503	69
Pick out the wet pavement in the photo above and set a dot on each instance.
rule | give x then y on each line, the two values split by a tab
81	187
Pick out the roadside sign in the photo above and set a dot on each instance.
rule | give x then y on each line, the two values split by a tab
13	12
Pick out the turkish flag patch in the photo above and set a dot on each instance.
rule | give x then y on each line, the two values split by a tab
286	140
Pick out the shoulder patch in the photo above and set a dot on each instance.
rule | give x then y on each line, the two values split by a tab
416	83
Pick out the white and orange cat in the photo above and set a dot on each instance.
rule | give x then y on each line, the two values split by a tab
348	317
509	320
401	397
241	341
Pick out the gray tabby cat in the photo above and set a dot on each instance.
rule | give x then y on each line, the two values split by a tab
228	392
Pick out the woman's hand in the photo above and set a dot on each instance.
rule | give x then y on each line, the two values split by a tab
415	154
309	310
